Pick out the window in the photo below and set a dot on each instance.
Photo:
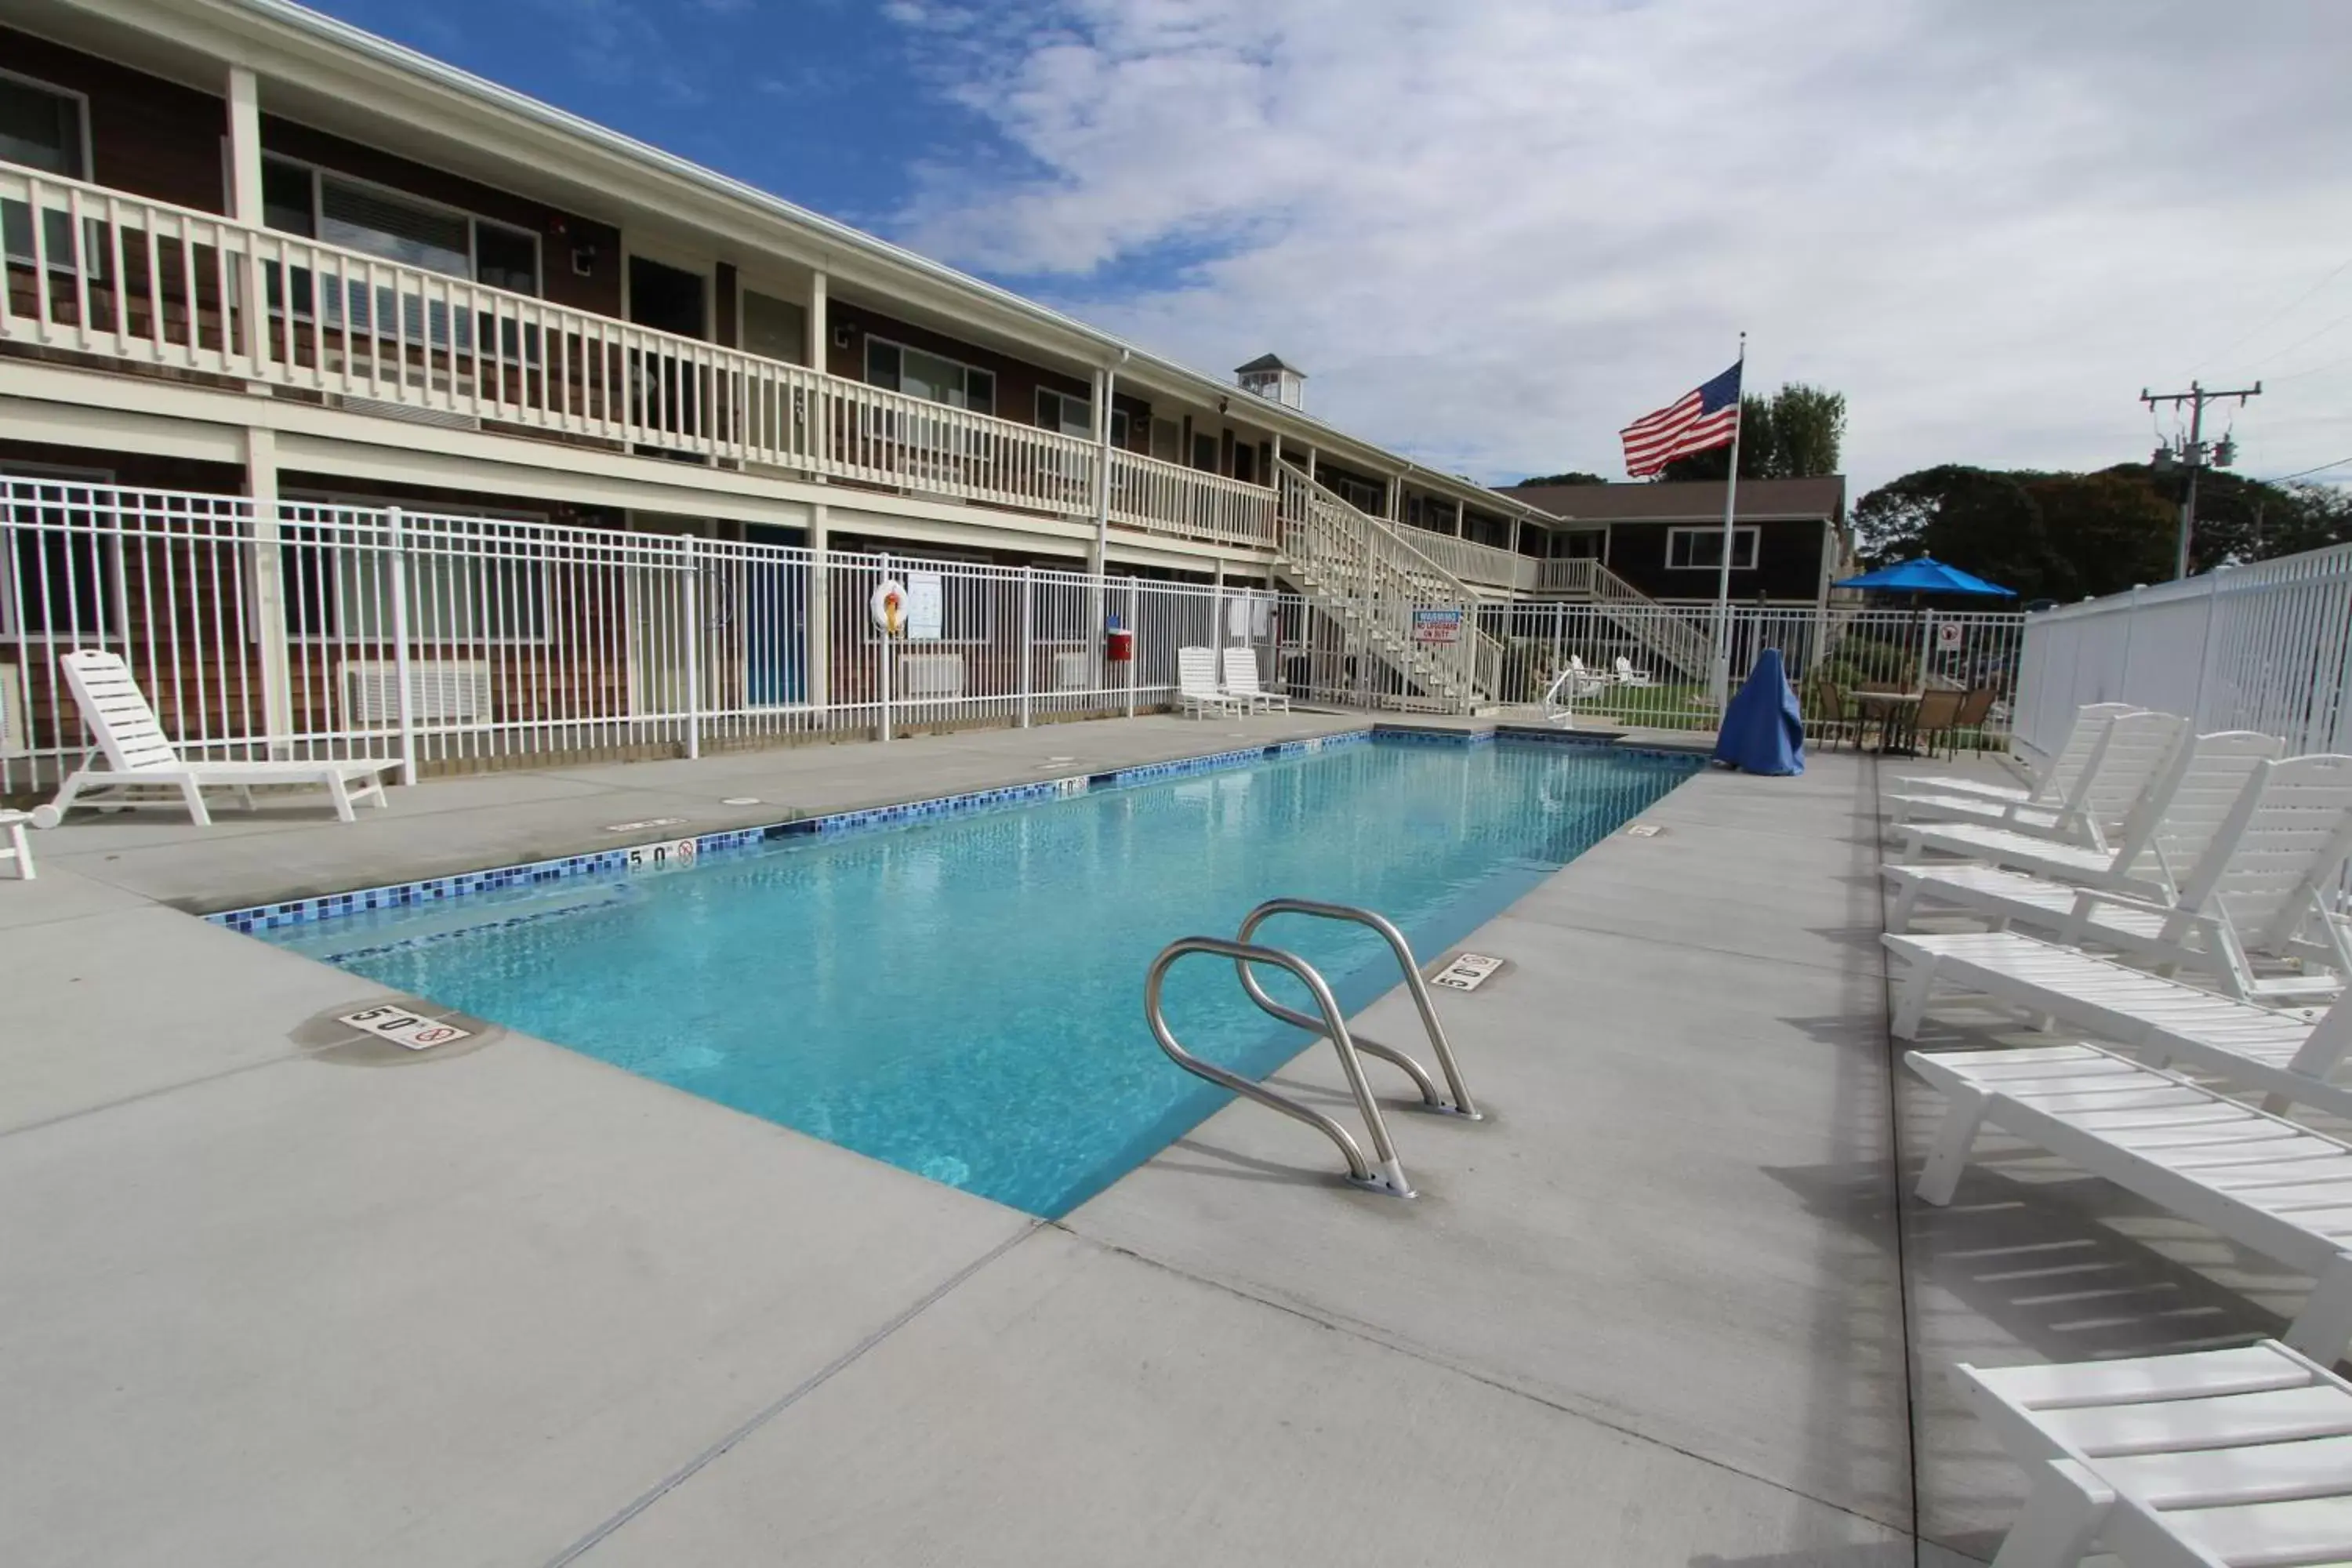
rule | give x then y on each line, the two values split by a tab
776	329
466	584
41	128
1369	499
1074	415
1696	547
373	221
59	573
930	376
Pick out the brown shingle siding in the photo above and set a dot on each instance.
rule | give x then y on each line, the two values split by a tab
148	136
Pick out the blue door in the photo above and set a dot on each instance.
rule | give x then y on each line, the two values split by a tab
775	621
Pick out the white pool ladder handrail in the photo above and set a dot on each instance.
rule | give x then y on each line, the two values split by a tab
1461	1105
1388	1176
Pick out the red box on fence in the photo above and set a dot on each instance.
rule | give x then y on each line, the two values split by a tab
1119	646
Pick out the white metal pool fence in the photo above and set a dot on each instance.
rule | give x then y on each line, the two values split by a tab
2266	646
1829	655
462	643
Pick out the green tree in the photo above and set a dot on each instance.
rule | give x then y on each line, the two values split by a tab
1797	432
1979	519
2105	531
2241	519
1573	477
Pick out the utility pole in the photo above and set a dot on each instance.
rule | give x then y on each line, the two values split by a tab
2192	455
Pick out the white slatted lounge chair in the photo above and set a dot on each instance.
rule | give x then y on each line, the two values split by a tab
1628	675
2259	890
1197	691
19	848
1241	683
2290	1057
2050	784
2259	1179
2130	759
2229	1457
2167	827
138	756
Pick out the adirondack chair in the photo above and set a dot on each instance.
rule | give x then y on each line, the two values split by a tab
137	755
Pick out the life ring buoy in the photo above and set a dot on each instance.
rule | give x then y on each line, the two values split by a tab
888	607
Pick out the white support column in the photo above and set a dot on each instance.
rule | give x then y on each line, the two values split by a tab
820	353
820	610
269	592
820	340
1103	380
1395	512
245	205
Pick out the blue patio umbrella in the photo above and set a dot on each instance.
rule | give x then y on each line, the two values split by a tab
1926	575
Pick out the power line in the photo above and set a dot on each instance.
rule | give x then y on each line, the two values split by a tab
2277	316
2299	473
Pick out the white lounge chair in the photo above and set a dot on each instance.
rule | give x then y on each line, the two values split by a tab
19	848
1628	675
1241	683
138	756
2049	786
2259	890
2259	1179
2223	1456
1197	691
2290	1057
2130	758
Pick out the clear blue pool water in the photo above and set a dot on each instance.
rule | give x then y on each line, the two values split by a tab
964	998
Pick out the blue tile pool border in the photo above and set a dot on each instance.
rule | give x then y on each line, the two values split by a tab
734	840
866	819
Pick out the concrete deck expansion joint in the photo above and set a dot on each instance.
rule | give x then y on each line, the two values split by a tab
524	1307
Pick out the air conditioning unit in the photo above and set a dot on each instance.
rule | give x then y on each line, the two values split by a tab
930	676
1073	671
15	734
440	691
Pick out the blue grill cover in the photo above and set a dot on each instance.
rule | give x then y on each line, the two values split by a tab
1763	730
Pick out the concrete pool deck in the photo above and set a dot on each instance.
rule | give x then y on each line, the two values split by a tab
266	1300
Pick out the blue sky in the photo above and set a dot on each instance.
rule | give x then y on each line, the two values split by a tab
1495	231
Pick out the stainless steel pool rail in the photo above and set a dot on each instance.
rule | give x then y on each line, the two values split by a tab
1461	1105
1388	1175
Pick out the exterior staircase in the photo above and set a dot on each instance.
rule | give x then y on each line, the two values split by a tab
1668	633
1365	575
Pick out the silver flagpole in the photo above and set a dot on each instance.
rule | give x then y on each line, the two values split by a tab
1721	683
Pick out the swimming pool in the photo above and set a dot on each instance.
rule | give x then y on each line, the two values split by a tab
962	997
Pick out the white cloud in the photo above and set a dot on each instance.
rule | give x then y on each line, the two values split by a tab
1494	230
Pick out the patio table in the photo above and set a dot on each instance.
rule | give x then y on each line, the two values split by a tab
1897	713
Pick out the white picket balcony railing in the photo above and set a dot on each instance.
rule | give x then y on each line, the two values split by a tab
150	285
1472	563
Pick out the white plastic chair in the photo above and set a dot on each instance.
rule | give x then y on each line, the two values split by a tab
1241	683
1197	691
2259	890
2049	786
1628	675
138	755
2219	1457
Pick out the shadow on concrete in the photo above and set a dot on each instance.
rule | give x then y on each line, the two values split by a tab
1859	1555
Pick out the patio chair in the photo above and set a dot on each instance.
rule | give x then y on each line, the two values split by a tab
19	848
138	756
1197	691
2163	833
2136	753
2207	1457
1937	713
2264	1182
1628	675
2259	890
1975	708
2049	783
1836	720
1241	683
2289	1057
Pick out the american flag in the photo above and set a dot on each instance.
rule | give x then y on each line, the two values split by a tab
1692	423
